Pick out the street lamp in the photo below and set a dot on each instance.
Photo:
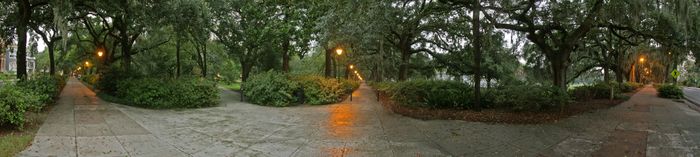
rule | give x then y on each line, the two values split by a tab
100	53
641	59
87	64
338	51
352	66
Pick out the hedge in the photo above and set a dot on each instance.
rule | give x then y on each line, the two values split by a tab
277	89
458	95
28	95
158	93
670	91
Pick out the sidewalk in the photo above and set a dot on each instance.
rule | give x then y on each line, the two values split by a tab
83	125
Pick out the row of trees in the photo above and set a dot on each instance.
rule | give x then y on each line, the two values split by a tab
494	41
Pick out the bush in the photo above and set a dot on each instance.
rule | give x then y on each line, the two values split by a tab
110	78
319	90
90	78
431	93
601	90
670	91
46	86
168	93
15	102
270	89
530	97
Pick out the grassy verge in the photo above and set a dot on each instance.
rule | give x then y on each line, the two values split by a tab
14	141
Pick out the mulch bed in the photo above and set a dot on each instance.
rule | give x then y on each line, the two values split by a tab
499	115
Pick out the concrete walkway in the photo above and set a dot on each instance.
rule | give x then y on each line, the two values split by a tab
83	125
644	126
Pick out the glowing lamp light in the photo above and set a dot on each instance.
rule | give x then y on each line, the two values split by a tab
641	59
87	63
339	51
100	53
352	66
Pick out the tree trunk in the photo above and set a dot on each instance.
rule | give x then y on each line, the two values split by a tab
52	64
606	76
285	55
21	59
246	68
177	57
477	54
559	67
403	68
328	63
204	60
619	75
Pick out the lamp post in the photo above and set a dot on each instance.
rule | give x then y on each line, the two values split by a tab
338	51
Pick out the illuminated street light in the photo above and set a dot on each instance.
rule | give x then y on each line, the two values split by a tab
87	63
352	66
641	59
339	51
100	53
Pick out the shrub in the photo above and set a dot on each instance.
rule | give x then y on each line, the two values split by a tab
270	89
319	90
110	78
168	93
601	90
431	93
530	97
46	86
15	102
670	91
90	78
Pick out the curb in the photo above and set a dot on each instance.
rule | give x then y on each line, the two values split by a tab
693	104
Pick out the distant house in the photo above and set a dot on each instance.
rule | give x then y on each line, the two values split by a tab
8	61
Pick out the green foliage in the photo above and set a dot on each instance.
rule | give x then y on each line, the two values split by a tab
601	90
319	90
430	93
670	91
110	78
527	97
90	78
168	93
270	89
15	102
46	86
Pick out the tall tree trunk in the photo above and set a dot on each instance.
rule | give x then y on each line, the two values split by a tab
403	68
477	54
606	76
204	59
24	13
285	55
246	68
619	75
328	63
559	67
52	64
178	45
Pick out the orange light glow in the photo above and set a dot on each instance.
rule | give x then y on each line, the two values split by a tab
641	59
100	53
352	66
341	122
339	51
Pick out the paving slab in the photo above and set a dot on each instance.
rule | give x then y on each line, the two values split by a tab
643	126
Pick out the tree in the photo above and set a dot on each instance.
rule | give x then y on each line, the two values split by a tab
43	24
548	26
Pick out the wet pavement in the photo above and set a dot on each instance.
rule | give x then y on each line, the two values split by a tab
644	126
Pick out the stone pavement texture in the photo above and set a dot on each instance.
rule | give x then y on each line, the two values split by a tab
83	125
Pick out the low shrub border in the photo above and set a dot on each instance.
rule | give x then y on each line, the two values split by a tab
157	93
506	104
28	95
277	89
670	91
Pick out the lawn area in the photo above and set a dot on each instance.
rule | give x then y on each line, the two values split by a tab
14	141
231	86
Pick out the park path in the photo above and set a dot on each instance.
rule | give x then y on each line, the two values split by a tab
81	124
643	126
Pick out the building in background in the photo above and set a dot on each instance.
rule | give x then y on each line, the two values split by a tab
8	61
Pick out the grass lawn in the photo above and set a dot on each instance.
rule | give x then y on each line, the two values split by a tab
15	141
232	86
